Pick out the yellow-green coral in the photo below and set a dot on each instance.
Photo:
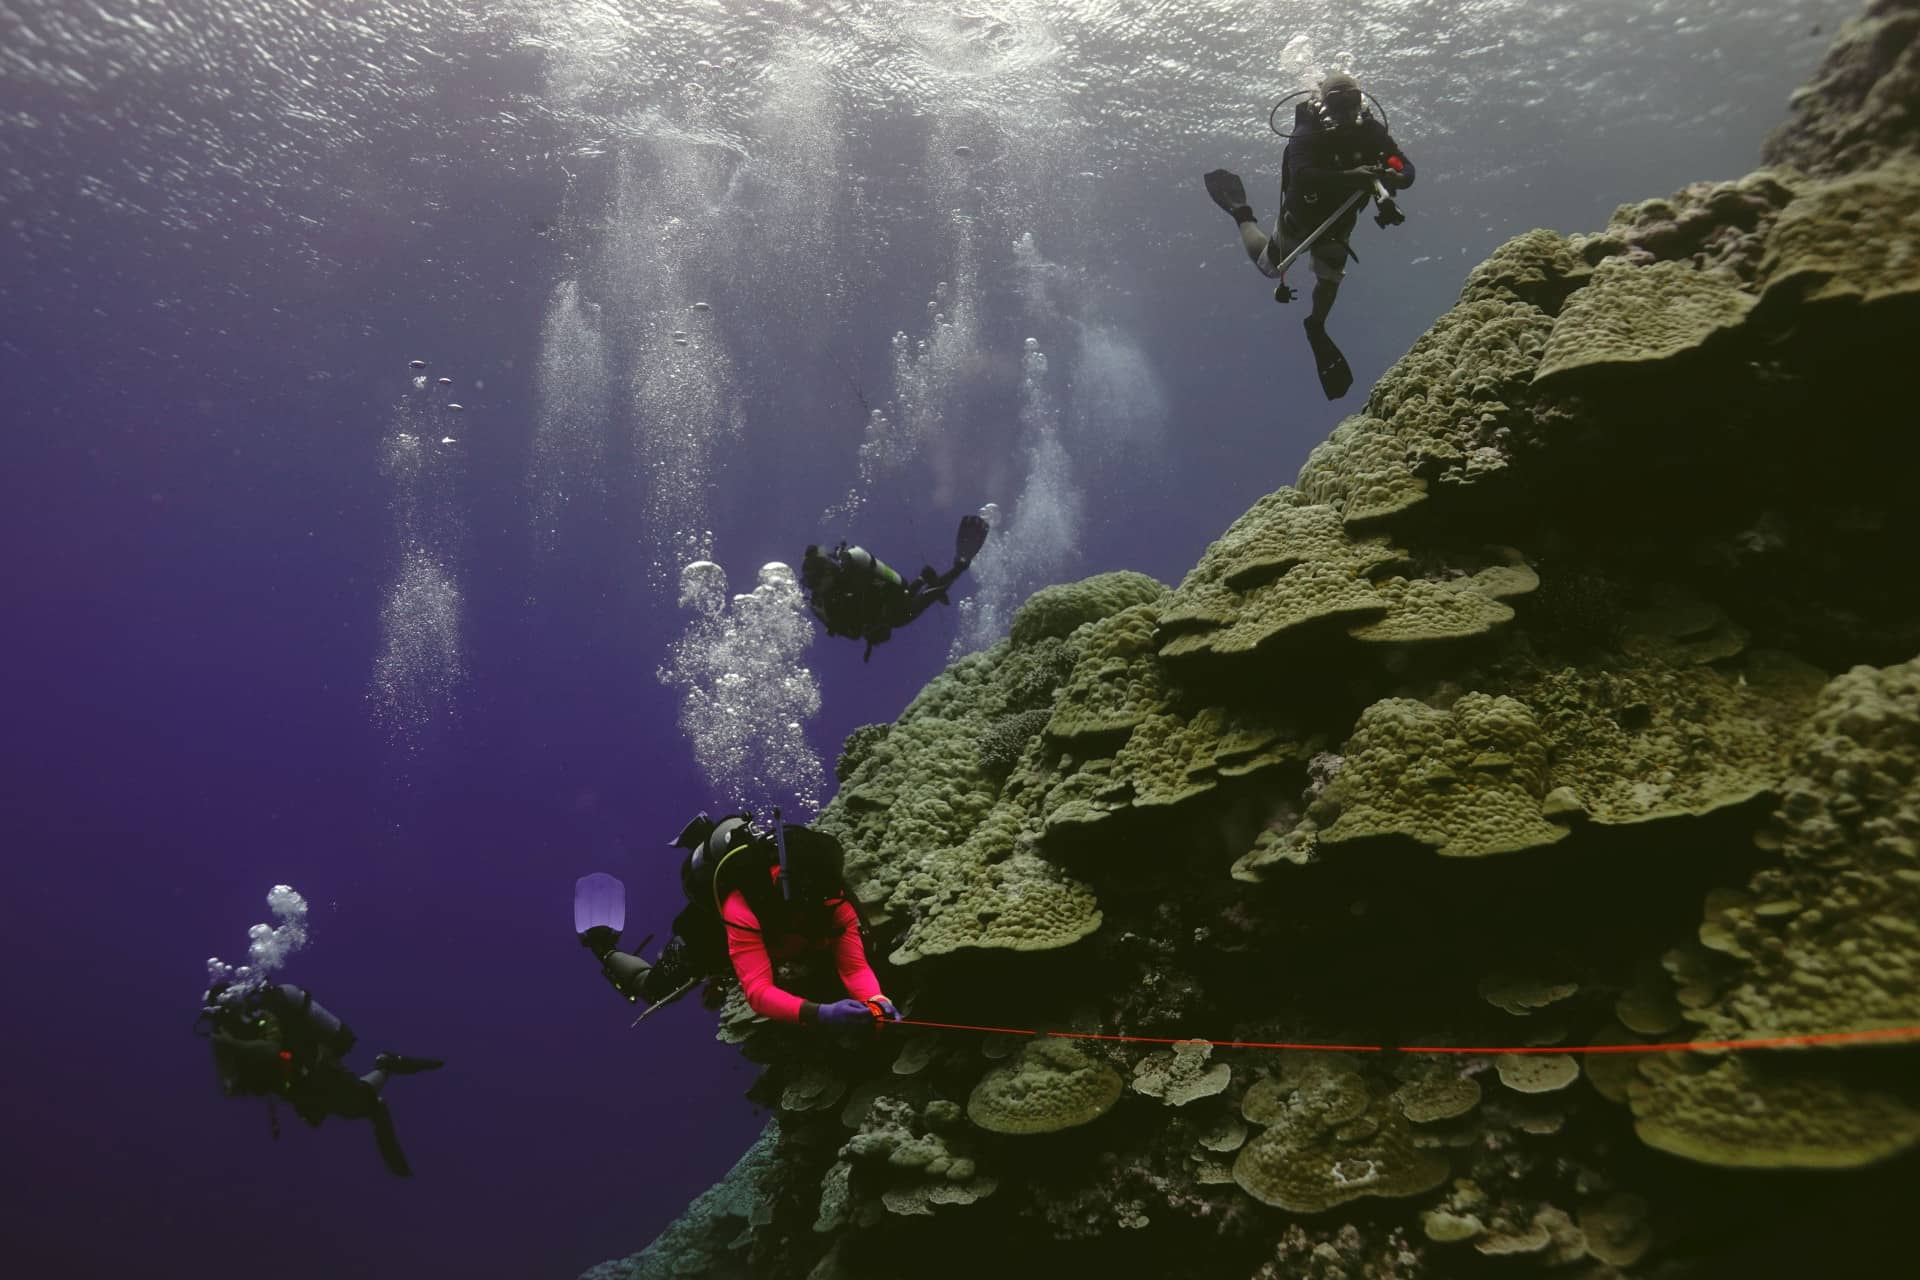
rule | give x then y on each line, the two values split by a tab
1648	1006
1078	801
919	790
1682	628
1520	996
1537	267
1225	1134
1631	316
1663	737
1117	681
1849	242
817	1088
1181	1075
1023	903
1440	414
1321	1086
992	892
1423	610
1466	782
1167	758
1437	1097
1854	111
1306	1165
1305	596
1549	1233
938	840
1823	942
1745	1112
1362	470
913	1167
1829	939
1051	1086
1058	610
1537	1072
1444	1227
1285	565
1617	1229
1249	743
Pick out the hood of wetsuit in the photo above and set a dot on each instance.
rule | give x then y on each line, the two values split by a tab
1340	93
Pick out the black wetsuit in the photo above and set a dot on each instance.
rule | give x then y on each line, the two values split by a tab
281	1044
862	599
1314	172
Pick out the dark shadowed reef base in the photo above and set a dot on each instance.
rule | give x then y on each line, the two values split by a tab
1571	696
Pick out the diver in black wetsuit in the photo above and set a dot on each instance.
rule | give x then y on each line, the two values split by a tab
857	596
275	1042
1338	155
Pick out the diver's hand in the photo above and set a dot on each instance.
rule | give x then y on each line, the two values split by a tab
845	1013
885	1008
1368	174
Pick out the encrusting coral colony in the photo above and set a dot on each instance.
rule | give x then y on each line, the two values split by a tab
1570	697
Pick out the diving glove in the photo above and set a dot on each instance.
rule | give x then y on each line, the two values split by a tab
846	1013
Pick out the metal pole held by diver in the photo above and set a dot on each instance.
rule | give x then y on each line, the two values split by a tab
658	1005
1357	197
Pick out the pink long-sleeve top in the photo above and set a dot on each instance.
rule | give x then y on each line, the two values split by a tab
753	955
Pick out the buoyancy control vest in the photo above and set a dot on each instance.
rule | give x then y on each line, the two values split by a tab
1320	141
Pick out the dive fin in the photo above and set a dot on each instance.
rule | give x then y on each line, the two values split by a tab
1226	190
399	1064
389	1142
1336	379
599	900
968	541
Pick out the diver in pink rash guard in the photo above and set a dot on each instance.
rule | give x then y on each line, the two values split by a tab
754	898
813	921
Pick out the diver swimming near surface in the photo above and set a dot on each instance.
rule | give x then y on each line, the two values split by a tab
1338	156
857	596
754	897
273	1041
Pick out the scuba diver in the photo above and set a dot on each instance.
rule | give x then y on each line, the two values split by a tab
858	596
1338	155
753	897
273	1041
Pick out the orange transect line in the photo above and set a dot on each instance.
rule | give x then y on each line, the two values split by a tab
1676	1046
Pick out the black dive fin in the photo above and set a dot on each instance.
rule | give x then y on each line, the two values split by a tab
399	1064
1226	189
389	1142
972	537
1336	379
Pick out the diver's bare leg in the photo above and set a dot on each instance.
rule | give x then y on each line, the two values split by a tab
1255	242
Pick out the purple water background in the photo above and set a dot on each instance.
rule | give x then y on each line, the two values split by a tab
196	537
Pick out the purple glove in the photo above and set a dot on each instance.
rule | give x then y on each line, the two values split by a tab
845	1013
886	1007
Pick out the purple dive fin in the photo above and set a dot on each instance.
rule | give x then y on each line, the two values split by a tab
599	901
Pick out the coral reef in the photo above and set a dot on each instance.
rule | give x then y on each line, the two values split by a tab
1568	701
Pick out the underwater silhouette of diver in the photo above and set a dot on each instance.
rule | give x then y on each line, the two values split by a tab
274	1042
856	595
1338	155
753	897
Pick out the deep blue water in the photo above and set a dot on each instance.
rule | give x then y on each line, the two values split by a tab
207	311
